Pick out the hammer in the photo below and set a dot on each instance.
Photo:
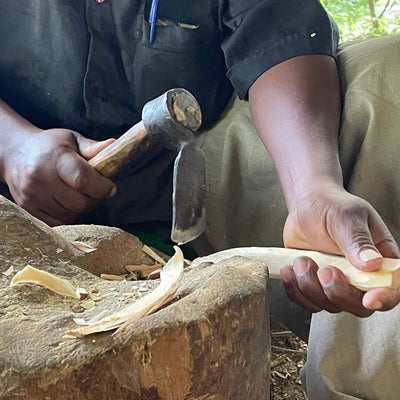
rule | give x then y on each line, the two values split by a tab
171	120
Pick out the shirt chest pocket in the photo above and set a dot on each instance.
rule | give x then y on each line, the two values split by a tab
176	36
181	55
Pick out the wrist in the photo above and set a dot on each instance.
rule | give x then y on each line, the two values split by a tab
315	186
14	138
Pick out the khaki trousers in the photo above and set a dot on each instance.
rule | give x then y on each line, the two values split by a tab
348	357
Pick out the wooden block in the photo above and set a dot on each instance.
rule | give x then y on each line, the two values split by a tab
211	342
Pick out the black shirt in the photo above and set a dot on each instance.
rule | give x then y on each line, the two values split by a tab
89	65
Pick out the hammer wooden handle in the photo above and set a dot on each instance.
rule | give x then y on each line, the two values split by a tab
131	144
170	119
275	258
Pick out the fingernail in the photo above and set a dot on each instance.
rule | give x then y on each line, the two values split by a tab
369	255
113	191
325	276
300	266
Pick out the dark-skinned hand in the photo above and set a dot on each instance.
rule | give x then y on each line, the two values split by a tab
48	175
331	220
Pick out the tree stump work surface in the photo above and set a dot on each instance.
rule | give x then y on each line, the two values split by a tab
211	342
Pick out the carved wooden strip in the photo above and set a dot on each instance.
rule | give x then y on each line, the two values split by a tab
275	258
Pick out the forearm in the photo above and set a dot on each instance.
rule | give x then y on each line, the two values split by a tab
296	110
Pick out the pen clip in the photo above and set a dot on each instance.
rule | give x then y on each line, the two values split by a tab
153	19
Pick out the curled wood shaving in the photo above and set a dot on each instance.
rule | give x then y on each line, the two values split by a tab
83	246
96	318
170	279
32	275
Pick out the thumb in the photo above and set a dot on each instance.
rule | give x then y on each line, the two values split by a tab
88	148
364	241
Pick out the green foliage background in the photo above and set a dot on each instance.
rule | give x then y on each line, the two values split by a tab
360	19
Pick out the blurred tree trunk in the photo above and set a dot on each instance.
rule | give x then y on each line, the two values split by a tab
372	13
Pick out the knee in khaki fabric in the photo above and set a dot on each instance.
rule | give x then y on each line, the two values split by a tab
349	357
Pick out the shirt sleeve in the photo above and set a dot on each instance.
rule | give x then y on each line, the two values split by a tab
262	33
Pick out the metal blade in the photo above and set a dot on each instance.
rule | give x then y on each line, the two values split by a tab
189	194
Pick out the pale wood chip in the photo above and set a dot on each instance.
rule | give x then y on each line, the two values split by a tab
9	271
112	277
83	246
97	298
88	304
150	252
33	275
144	270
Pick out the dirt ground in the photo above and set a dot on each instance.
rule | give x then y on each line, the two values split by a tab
288	355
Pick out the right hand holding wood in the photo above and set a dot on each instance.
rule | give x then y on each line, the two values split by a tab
48	175
331	220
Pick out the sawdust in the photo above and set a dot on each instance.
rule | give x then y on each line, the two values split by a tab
288	355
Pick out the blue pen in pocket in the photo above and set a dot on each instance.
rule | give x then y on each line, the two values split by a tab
153	19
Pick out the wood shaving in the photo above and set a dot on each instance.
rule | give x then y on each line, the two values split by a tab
171	278
58	285
97	298
9	271
88	304
144	270
150	252
112	277
83	246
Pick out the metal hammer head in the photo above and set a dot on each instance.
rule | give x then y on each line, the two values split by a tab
172	118
169	120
